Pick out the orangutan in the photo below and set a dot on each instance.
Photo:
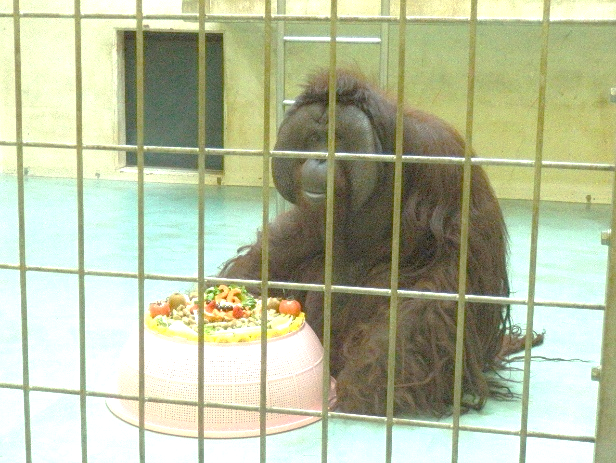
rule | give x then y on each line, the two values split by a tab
362	250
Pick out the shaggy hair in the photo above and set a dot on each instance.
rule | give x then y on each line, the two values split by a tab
429	261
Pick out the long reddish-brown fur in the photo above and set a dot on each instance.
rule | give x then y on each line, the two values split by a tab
429	261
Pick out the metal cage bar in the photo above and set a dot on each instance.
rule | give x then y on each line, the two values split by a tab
226	18
464	235
318	39
395	240
21	210
140	102
80	233
530	312
318	287
528	163
329	226
358	418
268	37
201	135
384	55
605	445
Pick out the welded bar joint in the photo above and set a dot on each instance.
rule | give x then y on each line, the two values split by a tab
605	237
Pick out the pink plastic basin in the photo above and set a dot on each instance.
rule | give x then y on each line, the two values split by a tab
232	375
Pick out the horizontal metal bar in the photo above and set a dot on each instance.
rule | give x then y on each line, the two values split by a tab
163	400
385	292
133	148
568	305
293	411
570	437
577	165
409	158
308	18
327	39
376	157
536	434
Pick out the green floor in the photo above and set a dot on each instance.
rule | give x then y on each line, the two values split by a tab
571	267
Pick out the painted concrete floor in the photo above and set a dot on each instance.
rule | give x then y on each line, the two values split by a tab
571	267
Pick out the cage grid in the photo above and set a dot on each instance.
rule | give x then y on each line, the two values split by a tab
604	438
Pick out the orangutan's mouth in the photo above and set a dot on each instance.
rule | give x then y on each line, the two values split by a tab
315	196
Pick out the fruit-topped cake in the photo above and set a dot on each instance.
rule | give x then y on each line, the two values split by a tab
231	314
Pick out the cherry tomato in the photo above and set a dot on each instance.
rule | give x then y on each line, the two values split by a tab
159	308
238	312
290	307
211	306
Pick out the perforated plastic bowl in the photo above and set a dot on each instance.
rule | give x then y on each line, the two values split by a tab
232	375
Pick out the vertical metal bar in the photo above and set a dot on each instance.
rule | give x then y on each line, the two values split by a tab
201	136
329	225
384	46
140	70
265	190
80	231
464	229
530	308
395	240
21	211
281	8
605	446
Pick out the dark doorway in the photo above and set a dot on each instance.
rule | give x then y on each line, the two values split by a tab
170	97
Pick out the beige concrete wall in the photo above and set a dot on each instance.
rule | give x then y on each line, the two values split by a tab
561	9
48	89
580	121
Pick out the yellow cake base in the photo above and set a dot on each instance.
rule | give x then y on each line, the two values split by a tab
246	334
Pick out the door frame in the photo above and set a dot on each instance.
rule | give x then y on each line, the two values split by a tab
120	86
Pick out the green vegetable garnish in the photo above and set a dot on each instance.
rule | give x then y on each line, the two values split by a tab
160	321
